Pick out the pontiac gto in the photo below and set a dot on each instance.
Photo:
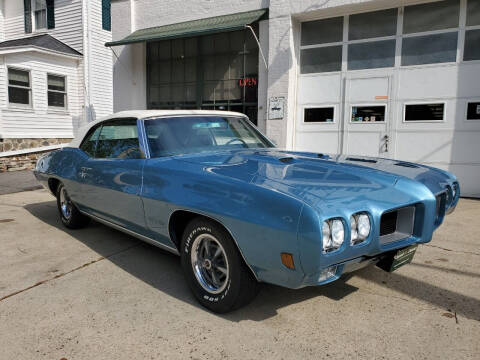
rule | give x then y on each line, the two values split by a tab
208	186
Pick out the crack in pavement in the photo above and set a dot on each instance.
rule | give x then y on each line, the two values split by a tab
456	251
66	273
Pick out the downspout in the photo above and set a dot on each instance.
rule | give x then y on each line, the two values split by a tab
86	61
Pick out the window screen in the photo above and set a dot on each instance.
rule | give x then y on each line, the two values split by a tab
118	140
473	12
19	87
429	49
56	91
322	59
373	24
473	111
369	55
424	112
322	31
368	113
472	45
432	16
321	114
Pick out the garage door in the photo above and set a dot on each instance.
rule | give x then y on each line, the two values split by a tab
401	83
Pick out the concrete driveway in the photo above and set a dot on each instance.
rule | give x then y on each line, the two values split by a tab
99	294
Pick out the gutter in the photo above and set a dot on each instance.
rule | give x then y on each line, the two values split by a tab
32	150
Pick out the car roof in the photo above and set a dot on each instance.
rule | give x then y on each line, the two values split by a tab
146	114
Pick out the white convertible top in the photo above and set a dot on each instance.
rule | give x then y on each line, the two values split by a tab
143	114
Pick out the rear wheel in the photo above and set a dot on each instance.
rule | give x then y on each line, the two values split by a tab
69	214
215	271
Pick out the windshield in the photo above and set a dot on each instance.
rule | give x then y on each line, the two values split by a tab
192	134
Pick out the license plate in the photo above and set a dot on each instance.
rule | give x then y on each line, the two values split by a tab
397	258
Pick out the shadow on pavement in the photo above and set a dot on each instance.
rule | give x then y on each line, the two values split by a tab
162	270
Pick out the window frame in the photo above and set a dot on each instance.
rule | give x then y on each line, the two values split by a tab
35	28
367	105
30	90
323	106
404	112
465	118
460	30
140	137
65	93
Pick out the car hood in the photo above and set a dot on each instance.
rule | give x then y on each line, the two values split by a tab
329	177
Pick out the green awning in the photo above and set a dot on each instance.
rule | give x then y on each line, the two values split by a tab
192	28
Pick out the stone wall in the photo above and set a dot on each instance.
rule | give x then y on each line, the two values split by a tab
24	161
21	144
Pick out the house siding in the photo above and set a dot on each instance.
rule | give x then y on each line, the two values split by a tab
68	22
39	121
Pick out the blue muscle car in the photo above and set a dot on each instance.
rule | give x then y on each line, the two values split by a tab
208	186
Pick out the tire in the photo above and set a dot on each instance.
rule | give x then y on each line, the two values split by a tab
69	214
235	285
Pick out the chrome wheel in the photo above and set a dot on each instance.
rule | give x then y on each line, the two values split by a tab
65	204
210	263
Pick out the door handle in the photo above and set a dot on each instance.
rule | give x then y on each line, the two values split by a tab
386	139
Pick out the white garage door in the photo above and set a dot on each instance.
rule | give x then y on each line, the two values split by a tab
401	83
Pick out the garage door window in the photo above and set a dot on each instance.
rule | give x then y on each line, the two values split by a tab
473	12
373	24
369	55
322	31
430	49
368	114
319	115
323	59
438	15
473	111
424	112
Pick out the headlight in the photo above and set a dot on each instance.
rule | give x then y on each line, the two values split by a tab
360	227
333	233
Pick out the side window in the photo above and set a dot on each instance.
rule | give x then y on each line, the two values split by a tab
118	140
88	144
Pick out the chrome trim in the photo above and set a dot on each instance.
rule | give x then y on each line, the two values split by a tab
132	233
218	221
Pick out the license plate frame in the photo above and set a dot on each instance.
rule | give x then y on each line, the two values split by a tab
396	259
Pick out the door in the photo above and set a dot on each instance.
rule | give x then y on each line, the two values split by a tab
112	178
367	116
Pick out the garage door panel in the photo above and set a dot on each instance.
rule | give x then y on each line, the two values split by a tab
367	89
466	147
428	82
424	146
369	146
319	89
468	176
323	142
469	81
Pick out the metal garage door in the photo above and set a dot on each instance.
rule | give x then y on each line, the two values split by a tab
401	83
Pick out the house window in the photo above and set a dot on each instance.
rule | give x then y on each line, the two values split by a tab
19	87
319	115
424	112
57	94
40	14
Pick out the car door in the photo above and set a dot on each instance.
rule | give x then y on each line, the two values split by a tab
111	179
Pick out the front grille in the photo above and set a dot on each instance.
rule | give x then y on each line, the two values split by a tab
388	223
397	224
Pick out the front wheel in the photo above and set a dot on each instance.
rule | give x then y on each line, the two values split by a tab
69	214
214	269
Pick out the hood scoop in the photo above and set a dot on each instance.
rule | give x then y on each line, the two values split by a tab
370	161
286	160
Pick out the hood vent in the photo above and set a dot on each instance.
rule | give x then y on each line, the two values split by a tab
404	164
361	160
286	160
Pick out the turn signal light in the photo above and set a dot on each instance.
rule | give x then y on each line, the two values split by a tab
287	260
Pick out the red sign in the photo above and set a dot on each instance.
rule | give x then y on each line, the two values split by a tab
249	82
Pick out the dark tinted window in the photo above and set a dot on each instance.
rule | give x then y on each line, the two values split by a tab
429	49
313	115
472	48
473	111
322	31
424	112
373	24
90	141
322	59
118	140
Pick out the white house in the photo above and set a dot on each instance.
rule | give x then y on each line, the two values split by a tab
55	72
389	78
